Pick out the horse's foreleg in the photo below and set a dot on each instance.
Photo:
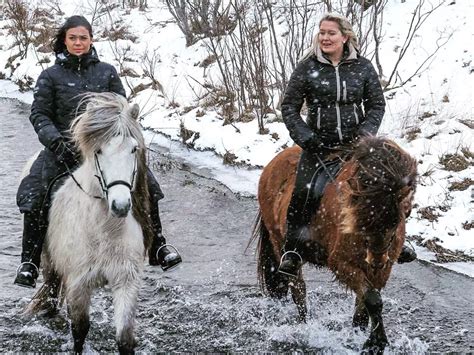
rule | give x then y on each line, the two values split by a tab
125	304
377	339
298	293
78	308
361	315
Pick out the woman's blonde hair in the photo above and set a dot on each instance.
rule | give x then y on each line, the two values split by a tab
344	26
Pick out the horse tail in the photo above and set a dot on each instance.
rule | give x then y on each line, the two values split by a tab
49	297
271	282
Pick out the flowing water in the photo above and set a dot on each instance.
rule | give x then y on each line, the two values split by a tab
212	302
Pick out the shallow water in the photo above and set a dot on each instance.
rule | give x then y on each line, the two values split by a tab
212	302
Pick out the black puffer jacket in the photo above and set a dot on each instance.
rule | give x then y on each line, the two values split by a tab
57	89
343	102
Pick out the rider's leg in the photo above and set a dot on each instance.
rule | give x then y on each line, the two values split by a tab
30	191
159	253
299	216
33	201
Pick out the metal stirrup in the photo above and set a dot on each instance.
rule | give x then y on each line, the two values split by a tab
166	245
25	263
291	252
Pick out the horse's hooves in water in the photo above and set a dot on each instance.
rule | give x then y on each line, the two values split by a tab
374	346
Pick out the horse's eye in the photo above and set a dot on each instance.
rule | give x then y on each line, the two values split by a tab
134	149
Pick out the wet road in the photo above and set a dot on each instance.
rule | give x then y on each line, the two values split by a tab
212	303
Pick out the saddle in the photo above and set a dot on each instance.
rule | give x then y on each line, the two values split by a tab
326	172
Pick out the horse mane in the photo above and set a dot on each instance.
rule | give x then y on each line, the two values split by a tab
383	176
108	115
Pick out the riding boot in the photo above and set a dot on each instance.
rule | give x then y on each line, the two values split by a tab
407	255
160	253
33	236
292	260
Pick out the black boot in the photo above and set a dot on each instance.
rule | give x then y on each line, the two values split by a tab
295	242
32	243
26	275
291	264
407	255
160	254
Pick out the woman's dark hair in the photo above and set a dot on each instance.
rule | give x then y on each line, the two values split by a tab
72	22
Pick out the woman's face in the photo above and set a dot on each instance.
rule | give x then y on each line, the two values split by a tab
331	40
78	40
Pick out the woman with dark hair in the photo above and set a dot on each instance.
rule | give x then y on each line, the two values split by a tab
57	93
345	102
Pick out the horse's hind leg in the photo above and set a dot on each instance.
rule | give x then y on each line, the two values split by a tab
125	304
377	339
78	309
298	293
361	315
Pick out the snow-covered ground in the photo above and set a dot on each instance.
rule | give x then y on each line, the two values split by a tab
431	116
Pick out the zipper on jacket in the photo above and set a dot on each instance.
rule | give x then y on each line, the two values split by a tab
344	91
318	122
338	97
355	114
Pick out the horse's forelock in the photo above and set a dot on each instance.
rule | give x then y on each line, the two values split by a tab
106	115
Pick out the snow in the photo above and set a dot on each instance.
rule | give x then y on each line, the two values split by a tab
443	89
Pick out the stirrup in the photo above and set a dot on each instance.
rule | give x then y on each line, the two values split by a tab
175	251
281	261
28	262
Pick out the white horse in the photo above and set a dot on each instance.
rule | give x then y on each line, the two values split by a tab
92	237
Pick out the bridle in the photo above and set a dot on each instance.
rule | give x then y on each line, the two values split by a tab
384	249
106	186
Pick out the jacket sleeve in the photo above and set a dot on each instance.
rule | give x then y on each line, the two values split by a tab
374	103
293	100
42	111
115	84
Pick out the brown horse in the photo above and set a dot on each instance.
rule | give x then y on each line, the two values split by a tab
357	232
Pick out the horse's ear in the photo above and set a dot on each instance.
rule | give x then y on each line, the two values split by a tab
134	111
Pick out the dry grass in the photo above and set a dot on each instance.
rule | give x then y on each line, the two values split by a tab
428	213
454	162
442	254
461	185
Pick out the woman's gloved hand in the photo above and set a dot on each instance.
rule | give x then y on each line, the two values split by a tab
65	152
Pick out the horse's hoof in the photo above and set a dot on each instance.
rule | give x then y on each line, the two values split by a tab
374	346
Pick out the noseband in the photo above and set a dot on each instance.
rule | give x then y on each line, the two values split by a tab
106	186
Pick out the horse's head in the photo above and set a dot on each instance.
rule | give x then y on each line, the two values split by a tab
378	196
116	168
110	140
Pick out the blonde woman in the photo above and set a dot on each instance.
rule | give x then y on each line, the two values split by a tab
345	101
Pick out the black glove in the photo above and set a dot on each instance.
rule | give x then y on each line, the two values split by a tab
312	143
65	152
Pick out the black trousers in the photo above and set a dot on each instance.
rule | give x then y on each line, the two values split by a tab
33	201
312	175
